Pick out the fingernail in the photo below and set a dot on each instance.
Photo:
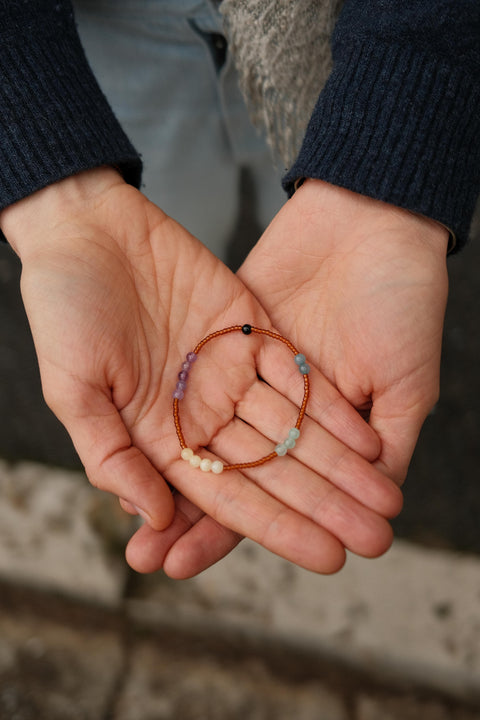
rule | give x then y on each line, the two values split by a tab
142	513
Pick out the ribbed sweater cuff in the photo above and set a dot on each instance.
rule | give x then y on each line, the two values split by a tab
398	126
54	119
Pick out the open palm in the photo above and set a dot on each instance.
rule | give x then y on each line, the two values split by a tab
362	286
116	294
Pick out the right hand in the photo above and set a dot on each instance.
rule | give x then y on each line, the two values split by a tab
116	293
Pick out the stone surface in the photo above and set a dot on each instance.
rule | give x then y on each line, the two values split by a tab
413	614
168	685
58	533
409	707
50	671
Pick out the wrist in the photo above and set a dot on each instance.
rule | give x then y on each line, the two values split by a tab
345	209
25	222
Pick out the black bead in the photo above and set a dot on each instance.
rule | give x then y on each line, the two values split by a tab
247	329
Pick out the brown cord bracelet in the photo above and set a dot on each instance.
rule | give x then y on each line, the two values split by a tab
216	466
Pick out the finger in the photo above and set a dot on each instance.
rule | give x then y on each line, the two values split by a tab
112	463
191	544
264	409
398	427
326	405
240	505
302	490
128	507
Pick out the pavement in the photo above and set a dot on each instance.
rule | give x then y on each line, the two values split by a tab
254	637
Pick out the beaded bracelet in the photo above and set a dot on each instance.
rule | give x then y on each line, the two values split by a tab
216	466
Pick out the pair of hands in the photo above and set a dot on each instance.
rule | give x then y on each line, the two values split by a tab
117	293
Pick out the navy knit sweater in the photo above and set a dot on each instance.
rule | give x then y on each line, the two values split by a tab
399	119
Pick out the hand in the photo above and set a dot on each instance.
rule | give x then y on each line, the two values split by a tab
362	287
116	294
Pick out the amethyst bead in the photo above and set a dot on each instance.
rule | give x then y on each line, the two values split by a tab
183	375
178	394
191	357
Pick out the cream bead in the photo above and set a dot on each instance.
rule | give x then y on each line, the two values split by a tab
217	467
186	453
206	465
195	460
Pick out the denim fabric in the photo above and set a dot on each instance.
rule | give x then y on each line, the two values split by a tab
165	69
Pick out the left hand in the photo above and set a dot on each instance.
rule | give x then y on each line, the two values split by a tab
362	287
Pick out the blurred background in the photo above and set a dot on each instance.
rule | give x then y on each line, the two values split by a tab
81	636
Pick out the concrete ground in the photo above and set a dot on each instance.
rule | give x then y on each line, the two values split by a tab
253	638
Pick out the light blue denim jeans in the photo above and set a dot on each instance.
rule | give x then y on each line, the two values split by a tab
162	65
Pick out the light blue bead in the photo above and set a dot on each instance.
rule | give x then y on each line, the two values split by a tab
289	443
281	449
304	368
294	433
300	359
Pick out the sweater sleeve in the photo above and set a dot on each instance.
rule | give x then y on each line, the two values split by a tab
54	119
399	118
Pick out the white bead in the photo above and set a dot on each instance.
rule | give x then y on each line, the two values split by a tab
186	453
206	465
195	460
217	467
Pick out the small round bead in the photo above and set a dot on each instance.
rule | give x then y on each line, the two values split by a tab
294	433
195	460
183	375
178	394
206	465
191	357
247	329
300	359
186	366
217	467
281	449
186	453
181	385
304	368
289	443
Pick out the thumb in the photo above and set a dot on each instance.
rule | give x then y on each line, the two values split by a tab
111	461
398	427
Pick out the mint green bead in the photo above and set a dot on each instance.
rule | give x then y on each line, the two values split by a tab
281	449
289	443
300	359
294	433
304	368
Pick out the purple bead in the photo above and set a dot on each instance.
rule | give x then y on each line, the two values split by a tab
186	366
183	375
181	385
178	394
191	357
